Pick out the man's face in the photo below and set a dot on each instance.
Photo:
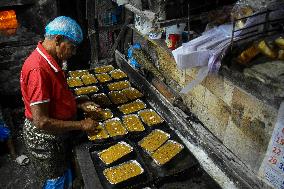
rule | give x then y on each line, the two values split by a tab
65	50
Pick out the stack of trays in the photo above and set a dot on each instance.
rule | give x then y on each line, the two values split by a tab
131	138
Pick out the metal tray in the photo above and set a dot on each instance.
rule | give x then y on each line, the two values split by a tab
98	148
138	182
78	73
125	99
89	93
88	84
136	116
105	75
117	136
74	78
103	69
182	162
120	78
102	140
129	104
156	130
124	91
99	117
96	99
111	86
151	110
175	156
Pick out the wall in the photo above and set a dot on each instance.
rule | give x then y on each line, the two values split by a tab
15	48
239	120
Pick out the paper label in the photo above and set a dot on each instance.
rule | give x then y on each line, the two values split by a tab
272	168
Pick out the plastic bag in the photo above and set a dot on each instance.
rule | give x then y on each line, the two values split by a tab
4	132
132	61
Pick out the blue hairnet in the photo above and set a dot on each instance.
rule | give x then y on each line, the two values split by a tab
67	27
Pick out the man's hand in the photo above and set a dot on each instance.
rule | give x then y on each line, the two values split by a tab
89	125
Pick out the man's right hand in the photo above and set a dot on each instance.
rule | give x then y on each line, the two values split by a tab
89	125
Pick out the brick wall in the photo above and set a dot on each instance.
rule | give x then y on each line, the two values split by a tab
242	122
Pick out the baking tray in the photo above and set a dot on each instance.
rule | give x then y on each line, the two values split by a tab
150	110
129	104
143	139
176	166
136	116
88	84
135	136
117	137
103	140
72	78
105	82
88	94
138	182
132	98
180	153
95	150
95	99
118	79
105	71
111	86
118	93
99	116
78	73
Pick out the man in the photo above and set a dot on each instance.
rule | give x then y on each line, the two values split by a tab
50	107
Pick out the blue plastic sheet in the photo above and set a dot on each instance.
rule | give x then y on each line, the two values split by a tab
67	27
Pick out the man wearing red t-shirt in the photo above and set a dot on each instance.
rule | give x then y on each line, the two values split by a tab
50	107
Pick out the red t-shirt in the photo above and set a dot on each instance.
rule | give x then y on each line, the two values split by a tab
43	81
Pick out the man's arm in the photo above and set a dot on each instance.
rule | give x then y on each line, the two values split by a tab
41	119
